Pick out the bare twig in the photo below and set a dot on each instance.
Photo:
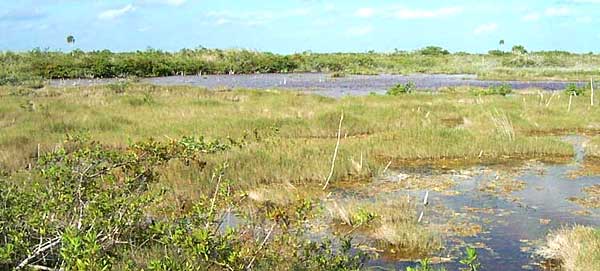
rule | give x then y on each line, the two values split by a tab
337	145
249	266
420	216
41	249
570	101
387	166
214	199
592	88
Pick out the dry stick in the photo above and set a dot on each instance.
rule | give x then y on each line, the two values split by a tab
337	145
570	101
41	249
387	166
425	203
592	87
261	246
214	199
549	100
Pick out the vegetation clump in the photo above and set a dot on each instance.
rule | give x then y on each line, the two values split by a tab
575	248
501	89
400	89
574	90
87	206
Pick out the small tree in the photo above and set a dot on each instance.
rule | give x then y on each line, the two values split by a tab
519	49
70	40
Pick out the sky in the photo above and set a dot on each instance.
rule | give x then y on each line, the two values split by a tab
290	26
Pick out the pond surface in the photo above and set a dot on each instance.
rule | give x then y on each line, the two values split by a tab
324	84
515	222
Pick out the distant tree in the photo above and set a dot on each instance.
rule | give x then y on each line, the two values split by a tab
519	49
501	42
70	40
433	51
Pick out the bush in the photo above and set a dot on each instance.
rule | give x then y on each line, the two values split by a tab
87	206
573	89
519	49
433	51
497	53
401	89
503	90
519	62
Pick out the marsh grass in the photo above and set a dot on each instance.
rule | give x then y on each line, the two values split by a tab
590	197
291	135
390	223
576	248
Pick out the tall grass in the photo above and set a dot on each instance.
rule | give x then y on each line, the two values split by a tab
577	248
290	135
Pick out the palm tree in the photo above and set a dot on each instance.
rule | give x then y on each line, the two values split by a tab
70	40
501	42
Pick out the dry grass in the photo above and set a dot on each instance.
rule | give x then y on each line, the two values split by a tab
391	223
591	198
577	248
290	136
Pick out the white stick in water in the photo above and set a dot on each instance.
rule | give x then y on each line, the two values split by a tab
425	202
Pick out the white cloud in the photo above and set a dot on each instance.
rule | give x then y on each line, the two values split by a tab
584	19
329	7
585	1
531	17
222	21
252	18
557	11
365	12
485	28
404	13
174	3
115	13
360	31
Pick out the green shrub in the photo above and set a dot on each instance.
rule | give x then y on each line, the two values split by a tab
433	51
401	89
497	53
573	89
503	90
519	49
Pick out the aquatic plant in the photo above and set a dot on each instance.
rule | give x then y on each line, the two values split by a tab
402	89
470	259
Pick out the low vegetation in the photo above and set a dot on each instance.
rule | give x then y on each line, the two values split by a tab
576	248
30	68
132	176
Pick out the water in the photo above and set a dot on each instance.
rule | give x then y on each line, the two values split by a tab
324	84
514	223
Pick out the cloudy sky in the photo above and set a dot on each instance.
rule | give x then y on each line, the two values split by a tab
298	25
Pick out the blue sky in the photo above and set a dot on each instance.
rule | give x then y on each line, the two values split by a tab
298	25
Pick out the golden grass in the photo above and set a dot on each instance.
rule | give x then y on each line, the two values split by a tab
290	136
577	248
591	198
391	223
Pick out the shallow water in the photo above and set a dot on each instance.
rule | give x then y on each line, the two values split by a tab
514	223
324	84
